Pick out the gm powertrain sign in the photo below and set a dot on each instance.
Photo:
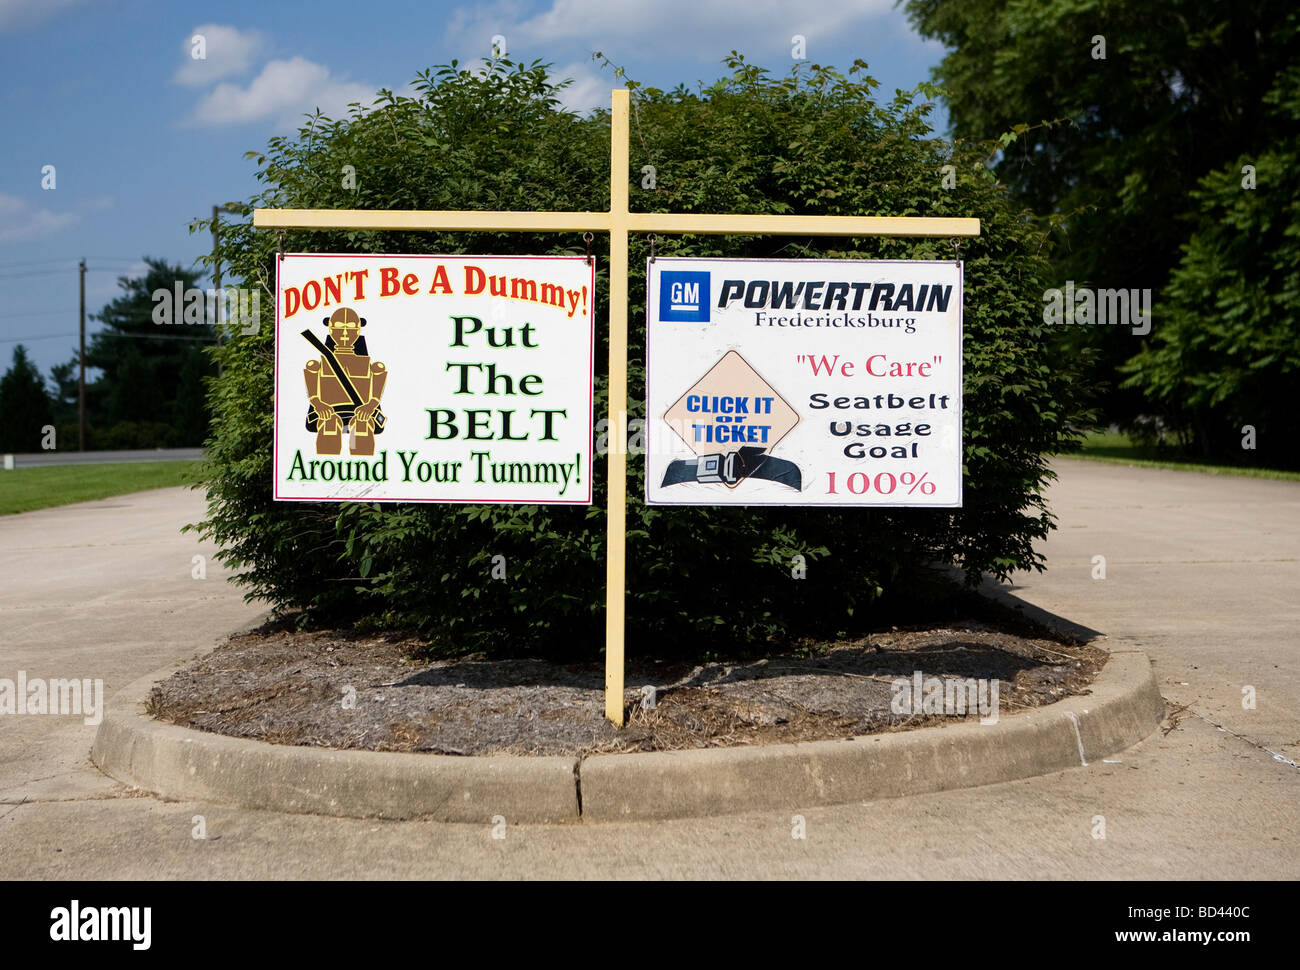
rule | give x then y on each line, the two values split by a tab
804	382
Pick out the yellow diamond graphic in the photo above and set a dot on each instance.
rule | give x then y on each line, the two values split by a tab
729	408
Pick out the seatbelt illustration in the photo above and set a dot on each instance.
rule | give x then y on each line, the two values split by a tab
344	412
748	462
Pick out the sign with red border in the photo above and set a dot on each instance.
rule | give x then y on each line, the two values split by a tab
434	379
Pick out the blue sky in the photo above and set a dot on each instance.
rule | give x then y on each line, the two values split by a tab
143	137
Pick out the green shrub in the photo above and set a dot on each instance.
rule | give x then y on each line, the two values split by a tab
130	435
814	142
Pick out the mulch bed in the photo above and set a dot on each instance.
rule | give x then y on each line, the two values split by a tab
340	689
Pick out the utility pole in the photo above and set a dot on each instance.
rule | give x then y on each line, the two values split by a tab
81	381
216	272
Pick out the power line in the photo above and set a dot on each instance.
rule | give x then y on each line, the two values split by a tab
105	333
35	337
35	313
108	333
43	272
38	262
71	259
150	336
59	272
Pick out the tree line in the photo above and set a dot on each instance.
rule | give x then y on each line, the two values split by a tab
145	385
1159	142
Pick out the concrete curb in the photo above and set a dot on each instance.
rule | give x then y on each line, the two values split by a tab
186	765
1124	707
178	763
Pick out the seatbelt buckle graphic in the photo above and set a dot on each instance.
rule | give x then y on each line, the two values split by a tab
717	469
708	469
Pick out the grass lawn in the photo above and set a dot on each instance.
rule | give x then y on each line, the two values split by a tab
1113	447
24	489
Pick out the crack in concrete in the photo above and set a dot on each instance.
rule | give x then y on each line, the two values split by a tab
97	797
1241	737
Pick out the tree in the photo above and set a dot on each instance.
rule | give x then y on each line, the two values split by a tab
814	142
150	387
1227	352
64	381
25	409
1150	96
64	387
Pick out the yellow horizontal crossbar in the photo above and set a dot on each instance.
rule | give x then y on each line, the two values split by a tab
706	224
762	225
433	219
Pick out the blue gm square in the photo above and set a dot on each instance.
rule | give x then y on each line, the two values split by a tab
684	296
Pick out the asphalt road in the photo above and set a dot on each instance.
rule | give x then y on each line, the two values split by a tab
1202	573
34	459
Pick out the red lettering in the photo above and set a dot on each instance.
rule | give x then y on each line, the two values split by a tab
440	281
828	366
292	300
910	368
475	281
310	295
388	285
410	284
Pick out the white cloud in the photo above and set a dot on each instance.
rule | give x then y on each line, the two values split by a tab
589	88
20	221
138	268
16	15
228	52
475	26
282	91
705	29
102	287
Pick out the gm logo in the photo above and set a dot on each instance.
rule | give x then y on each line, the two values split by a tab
684	296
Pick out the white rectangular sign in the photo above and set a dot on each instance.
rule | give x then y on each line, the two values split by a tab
434	378
804	382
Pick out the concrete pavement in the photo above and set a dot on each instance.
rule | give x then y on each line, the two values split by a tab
1201	574
100	590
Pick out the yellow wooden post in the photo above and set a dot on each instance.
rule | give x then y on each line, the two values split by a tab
618	222
616	456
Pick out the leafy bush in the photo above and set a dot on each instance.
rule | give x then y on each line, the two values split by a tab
128	435
813	142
